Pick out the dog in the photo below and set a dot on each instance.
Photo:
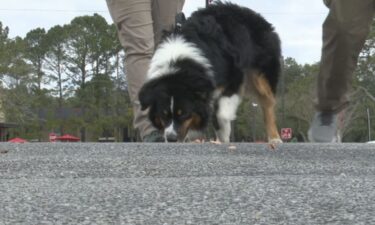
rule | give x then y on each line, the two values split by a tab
201	71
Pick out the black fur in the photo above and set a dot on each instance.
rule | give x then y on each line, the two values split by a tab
234	39
190	86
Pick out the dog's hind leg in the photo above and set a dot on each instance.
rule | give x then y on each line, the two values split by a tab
267	101
226	109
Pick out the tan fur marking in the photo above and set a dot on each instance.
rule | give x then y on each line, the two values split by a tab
185	127
159	122
195	123
267	101
220	88
191	123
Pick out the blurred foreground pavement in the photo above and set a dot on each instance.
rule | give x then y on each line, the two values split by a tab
92	183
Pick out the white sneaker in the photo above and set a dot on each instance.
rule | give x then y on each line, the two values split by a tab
323	128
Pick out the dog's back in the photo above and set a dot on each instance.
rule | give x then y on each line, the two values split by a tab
235	39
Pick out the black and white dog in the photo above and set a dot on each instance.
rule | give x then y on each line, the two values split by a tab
201	70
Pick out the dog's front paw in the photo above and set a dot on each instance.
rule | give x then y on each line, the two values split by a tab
199	141
273	142
216	142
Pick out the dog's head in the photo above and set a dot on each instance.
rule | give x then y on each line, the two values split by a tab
178	102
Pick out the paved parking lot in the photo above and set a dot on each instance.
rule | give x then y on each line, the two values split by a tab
92	183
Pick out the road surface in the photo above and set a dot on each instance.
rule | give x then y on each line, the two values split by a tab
119	183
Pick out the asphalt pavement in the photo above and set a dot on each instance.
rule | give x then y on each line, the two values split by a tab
119	183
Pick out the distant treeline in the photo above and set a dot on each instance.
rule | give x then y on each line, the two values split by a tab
70	79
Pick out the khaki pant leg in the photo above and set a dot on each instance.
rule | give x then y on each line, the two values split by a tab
136	21
344	33
135	30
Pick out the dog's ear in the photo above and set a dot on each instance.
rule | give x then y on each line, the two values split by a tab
149	92
202	83
202	86
203	90
203	95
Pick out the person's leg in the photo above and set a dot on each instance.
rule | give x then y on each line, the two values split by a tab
344	33
133	19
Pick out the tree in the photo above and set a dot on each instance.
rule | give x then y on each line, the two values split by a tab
104	45
292	70
70	77
4	62
299	97
366	63
55	68
35	55
354	124
91	45
16	98
55	61
17	70
79	45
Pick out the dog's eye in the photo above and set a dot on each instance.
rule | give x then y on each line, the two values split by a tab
182	115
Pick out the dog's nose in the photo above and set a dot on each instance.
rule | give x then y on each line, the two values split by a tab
171	137
170	133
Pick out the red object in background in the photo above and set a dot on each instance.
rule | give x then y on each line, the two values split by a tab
68	138
52	137
17	140
286	133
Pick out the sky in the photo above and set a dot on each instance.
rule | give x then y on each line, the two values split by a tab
298	22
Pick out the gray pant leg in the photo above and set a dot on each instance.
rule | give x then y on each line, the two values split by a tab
344	33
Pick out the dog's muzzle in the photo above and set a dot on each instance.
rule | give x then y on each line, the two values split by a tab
170	133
